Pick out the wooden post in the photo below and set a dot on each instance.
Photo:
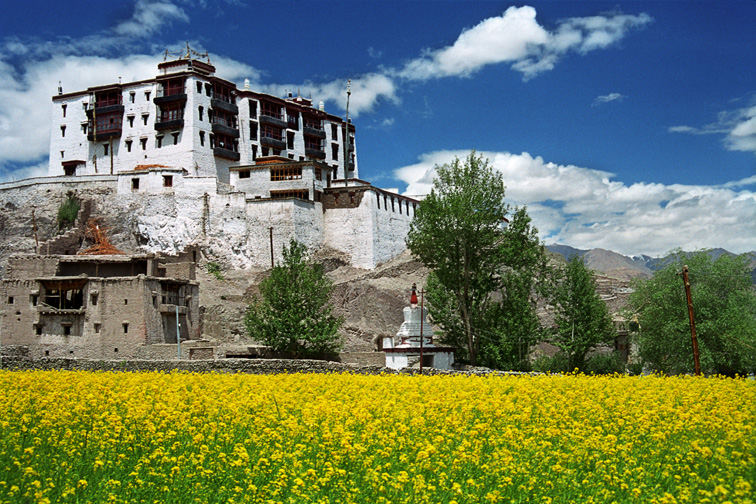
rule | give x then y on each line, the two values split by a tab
422	337
696	357
271	247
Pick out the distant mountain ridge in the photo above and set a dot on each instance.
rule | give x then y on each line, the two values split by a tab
617	265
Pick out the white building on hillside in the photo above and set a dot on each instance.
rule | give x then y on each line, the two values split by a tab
187	116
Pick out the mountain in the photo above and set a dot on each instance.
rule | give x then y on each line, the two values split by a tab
623	267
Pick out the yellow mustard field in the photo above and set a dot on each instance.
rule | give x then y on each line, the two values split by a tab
340	438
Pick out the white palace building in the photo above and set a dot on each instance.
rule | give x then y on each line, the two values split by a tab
190	159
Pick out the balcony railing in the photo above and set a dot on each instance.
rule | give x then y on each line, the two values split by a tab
222	129
273	121
224	105
272	142
104	109
314	153
312	131
160	100
226	153
169	125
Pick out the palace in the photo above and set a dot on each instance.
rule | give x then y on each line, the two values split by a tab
188	159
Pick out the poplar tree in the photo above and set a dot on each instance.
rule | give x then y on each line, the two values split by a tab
458	234
582	318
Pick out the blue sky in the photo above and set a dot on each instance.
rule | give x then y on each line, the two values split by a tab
629	126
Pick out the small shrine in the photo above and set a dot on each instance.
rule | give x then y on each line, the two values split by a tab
413	345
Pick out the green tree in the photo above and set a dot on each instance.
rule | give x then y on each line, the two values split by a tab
724	306
293	314
582	319
516	326
457	233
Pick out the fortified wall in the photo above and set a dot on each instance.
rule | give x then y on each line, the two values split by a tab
230	225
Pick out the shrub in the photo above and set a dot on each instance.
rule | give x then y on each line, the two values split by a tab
68	211
558	363
214	269
602	363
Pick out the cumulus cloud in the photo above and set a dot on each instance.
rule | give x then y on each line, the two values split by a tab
516	37
599	100
586	208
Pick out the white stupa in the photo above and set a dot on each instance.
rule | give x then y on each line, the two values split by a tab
408	348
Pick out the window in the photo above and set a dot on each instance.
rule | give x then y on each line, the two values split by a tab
335	151
97	328
84	128
400	207
105	149
38	329
202	138
271	110
167	180
62	154
125	328
293	193
254	152
286	173
201	110
63	131
93	296
212	141
143	141
33	298
63	108
244	174
392	204
378	200
67	330
318	173
134	187
125	301
208	89
11	300
289	139
199	87
334	132
128	145
267	131
132	94
292	119
253	130
147	95
252	108
131	121
159	140
145	117
175	138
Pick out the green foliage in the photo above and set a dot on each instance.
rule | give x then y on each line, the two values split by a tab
294	315
68	211
724	306
582	319
601	363
558	363
457	233
214	269
515	326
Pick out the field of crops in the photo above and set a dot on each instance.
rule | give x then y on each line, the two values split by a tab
148	437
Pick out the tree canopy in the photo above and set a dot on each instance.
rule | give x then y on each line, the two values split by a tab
293	314
457	233
724	306
582	319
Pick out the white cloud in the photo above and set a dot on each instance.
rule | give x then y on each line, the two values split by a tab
586	208
367	91
516	37
148	17
607	98
738	127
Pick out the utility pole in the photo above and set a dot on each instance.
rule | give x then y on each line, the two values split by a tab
347	158
696	357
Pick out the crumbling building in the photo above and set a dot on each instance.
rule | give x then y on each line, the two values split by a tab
101	306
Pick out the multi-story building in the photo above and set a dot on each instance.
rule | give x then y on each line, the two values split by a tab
188	117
